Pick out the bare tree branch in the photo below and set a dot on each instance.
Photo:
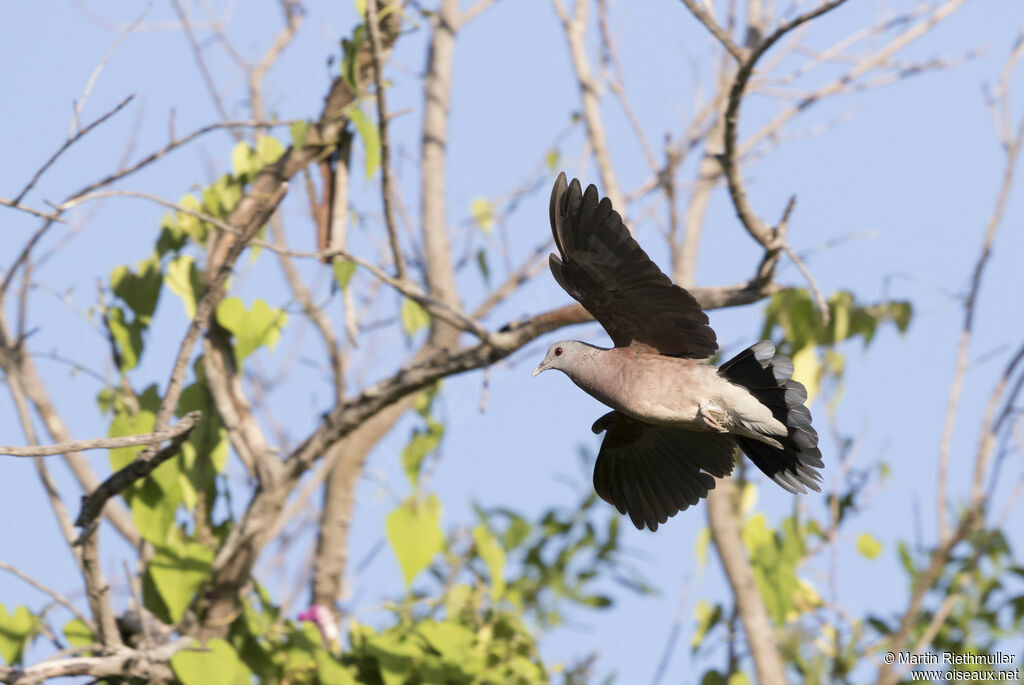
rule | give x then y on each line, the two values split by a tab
387	180
1011	145
139	468
575	33
100	443
28	210
57	597
717	31
725	532
71	140
146	665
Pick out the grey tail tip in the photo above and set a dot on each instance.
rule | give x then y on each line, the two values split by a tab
769	377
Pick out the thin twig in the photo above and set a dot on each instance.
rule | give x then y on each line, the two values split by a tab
100	443
94	76
139	468
406	287
57	597
716	30
204	71
1012	147
68	143
387	180
34	212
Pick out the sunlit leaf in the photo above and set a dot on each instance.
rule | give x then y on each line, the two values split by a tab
251	328
213	662
184	281
701	545
370	136
483	213
414	317
493	556
195	227
707	617
140	289
551	160
414	530
16	629
78	634
268	150
298	131
178	571
422	443
127	338
243	160
868	545
343	269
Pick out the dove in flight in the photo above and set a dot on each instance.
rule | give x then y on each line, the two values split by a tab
676	419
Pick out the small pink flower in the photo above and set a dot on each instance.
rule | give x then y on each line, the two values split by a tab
324	620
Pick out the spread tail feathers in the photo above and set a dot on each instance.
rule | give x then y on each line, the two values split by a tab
768	377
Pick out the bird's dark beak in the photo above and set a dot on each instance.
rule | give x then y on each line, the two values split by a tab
543	366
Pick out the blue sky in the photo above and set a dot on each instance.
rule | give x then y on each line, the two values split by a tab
914	165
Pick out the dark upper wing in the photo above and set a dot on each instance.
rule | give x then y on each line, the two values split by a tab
652	472
606	271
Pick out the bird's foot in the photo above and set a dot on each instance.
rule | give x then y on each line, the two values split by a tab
710	421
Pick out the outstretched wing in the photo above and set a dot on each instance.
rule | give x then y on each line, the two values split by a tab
651	472
606	271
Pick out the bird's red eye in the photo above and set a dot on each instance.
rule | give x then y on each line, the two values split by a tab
558	351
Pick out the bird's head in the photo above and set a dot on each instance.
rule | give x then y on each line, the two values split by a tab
562	355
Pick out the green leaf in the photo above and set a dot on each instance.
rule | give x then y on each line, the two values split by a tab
481	263
152	506
330	672
493	555
172	238
189	223
183	280
422	443
447	637
748	497
361	9
78	634
127	338
807	369
370	136
901	313
868	545
126	423
738	678
350	52
252	329
243	160
268	150
217	663
178	571
551	160
907	561
343	269
707	616
712	677
414	530
205	453
15	632
298	131
414	317
483	213
221	196
517	531
701	546
139	290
